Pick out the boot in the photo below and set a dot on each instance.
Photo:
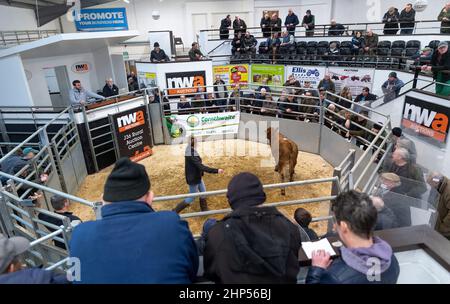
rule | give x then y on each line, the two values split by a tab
203	204
180	207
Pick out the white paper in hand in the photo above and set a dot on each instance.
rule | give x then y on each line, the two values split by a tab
323	244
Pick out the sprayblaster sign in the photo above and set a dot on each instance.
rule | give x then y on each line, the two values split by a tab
101	19
132	133
426	120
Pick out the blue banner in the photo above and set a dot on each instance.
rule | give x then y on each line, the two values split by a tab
102	19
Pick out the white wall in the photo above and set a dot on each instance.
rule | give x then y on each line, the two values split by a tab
13	18
38	84
13	83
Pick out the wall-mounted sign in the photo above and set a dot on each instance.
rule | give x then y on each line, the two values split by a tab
185	82
132	133
426	120
81	67
102	19
306	73
232	74
353	78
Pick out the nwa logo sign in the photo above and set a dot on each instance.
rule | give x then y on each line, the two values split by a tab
132	133
185	82
427	120
81	67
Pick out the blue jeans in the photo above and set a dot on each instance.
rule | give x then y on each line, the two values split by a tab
194	189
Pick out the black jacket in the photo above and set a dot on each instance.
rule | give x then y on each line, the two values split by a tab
336	30
292	19
108	92
393	22
193	167
441	64
239	27
275	25
309	20
252	245
266	28
161	56
224	25
407	19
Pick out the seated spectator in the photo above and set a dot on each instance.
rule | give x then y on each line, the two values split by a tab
440	67
158	55
194	53
110	89
364	99
292	82
331	118
423	56
265	26
391	87
287	42
289	106
307	87
275	24
386	218
132	85
370	43
29	153
355	125
347	94
413	183
358	44
273	45
308	107
198	101
303	218
391	193
332	54
125	245
442	185
355	220
212	104
12	270
60	206
270	107
336	29
253	244
376	128
235	97
263	86
390	20
249	43
236	44
327	84
401	141
220	88
183	104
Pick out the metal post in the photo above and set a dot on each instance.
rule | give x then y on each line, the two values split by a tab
3	129
5	219
43	138
335	190
91	144
149	119
321	122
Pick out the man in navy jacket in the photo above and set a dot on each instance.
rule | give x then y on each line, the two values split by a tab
132	243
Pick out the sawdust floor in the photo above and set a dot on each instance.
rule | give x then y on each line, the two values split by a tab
166	170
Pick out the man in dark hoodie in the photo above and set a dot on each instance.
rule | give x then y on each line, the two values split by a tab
252	244
12	271
364	259
407	18
194	170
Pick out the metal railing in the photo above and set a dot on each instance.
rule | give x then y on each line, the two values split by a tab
321	30
11	38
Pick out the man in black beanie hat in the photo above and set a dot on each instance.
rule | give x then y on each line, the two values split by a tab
158	55
252	244
132	243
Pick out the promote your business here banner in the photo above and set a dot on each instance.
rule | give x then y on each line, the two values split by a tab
203	124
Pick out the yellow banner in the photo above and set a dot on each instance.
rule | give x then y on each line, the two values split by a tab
232	74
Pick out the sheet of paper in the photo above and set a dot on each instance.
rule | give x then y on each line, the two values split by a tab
323	244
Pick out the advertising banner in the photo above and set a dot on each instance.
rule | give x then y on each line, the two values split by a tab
102	19
354	78
185	82
426	120
274	74
132	133
232	74
305	73
147	80
203	124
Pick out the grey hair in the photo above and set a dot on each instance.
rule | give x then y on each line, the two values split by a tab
403	153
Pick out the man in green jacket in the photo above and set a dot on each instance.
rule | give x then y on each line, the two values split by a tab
444	17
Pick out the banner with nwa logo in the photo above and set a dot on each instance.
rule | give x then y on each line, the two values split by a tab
426	120
132	133
185	82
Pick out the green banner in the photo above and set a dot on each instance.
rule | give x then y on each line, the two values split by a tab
274	74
